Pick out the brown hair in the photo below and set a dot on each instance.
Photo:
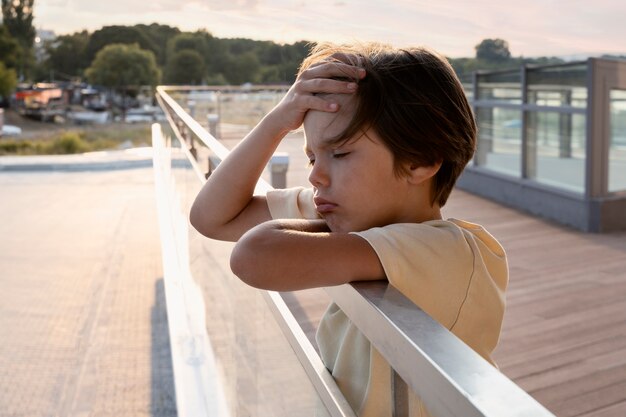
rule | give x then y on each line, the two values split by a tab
414	102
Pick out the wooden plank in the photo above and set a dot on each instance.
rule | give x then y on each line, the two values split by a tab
613	410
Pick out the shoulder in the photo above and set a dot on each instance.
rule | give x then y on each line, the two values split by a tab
433	249
436	235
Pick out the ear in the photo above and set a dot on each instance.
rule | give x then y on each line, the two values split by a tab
418	174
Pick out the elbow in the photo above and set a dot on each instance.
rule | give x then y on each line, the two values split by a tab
195	218
199	219
242	264
249	260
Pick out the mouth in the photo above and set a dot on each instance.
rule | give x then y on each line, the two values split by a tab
324	206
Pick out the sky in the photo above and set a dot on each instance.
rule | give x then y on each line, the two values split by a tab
565	28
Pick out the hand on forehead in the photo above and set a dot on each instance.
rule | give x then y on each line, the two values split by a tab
320	125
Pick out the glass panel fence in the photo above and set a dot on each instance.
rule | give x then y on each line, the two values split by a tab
617	147
500	86
556	149
259	372
560	86
499	140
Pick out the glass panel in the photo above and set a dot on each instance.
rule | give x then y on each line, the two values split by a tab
468	87
499	140
558	86
500	86
556	149
260	373
617	149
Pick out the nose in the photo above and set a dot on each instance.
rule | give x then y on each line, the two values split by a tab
319	176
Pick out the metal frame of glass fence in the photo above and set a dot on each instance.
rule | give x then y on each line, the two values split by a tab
426	358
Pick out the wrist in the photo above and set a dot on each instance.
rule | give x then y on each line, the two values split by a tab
274	125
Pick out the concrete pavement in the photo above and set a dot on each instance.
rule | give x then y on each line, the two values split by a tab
82	309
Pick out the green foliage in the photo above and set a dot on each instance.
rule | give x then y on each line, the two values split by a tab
66	56
17	17
8	80
225	61
8	48
160	36
77	141
67	143
185	67
243	68
122	67
493	50
197	41
109	35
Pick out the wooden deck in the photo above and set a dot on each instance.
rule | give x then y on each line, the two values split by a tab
564	335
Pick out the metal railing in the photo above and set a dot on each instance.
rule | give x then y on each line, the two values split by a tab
450	378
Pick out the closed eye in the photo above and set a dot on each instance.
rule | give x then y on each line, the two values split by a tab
339	155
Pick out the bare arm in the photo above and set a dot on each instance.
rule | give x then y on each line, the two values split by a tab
287	255
225	208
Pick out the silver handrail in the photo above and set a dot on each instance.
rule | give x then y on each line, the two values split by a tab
450	378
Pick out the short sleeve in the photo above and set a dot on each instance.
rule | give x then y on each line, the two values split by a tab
292	203
430	263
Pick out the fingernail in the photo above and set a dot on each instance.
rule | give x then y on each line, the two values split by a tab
351	86
332	106
362	72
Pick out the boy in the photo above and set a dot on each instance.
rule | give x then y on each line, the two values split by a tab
388	132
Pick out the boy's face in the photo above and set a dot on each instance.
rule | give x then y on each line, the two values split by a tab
355	184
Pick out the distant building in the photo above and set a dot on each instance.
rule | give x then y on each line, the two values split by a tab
42	38
552	141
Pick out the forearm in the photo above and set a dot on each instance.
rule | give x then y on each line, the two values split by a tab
225	207
287	255
229	189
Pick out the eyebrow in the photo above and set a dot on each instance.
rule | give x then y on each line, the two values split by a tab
325	143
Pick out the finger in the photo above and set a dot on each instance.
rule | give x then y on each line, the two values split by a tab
327	86
318	103
333	69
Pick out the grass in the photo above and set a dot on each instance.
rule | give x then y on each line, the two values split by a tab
77	141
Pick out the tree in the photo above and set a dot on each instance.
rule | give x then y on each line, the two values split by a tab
17	16
118	35
124	68
493	50
8	48
66	55
8	80
160	36
185	67
243	68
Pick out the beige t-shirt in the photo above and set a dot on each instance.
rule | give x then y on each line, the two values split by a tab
453	270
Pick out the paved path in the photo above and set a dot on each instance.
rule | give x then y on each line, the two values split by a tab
82	310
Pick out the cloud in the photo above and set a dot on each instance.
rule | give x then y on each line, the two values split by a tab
537	27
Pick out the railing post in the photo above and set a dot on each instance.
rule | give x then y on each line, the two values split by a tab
278	165
214	120
400	395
